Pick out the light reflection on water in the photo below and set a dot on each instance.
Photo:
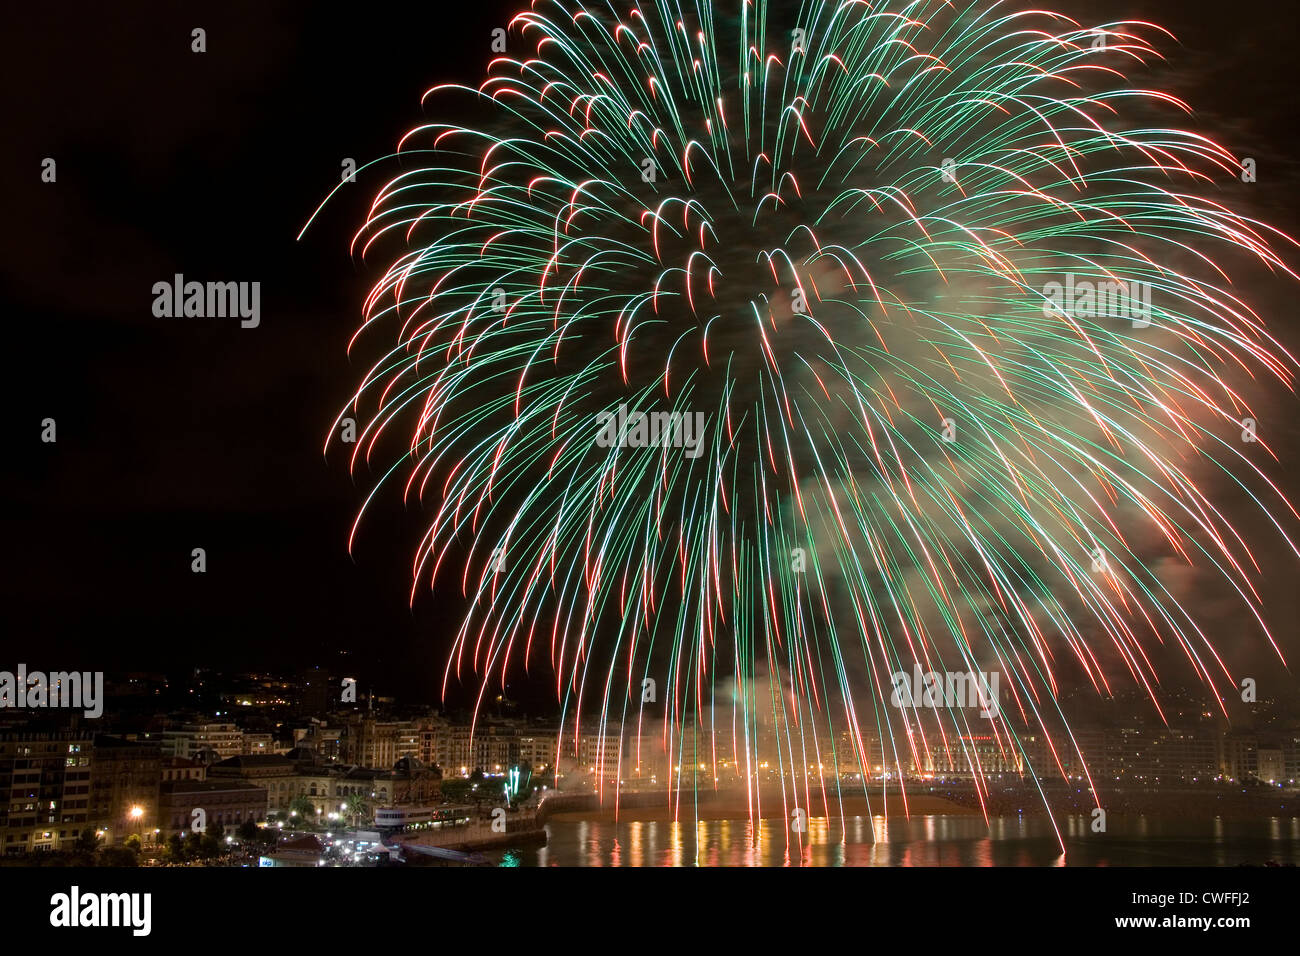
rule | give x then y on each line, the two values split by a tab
930	840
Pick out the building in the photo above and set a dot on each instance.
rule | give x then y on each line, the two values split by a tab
974	755
602	755
434	741
326	741
368	742
187	740
124	780
1291	757
301	773
537	748
258	691
318	691
283	777
182	768
227	803
491	748
459	751
1272	766
409	783
1180	755
258	744
1239	755
44	789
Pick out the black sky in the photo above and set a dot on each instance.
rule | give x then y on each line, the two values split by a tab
176	434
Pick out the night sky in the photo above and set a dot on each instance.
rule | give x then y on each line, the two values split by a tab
183	433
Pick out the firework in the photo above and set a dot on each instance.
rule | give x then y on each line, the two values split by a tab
754	365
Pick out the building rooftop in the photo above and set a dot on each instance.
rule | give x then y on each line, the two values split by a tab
253	761
205	786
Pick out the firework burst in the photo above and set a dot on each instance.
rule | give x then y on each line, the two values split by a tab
747	361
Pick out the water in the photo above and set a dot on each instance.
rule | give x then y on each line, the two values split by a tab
934	840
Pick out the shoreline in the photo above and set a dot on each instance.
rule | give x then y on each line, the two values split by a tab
688	811
716	806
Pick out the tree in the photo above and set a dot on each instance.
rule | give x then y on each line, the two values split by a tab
356	806
305	810
175	849
134	843
87	841
248	831
117	856
209	846
456	790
